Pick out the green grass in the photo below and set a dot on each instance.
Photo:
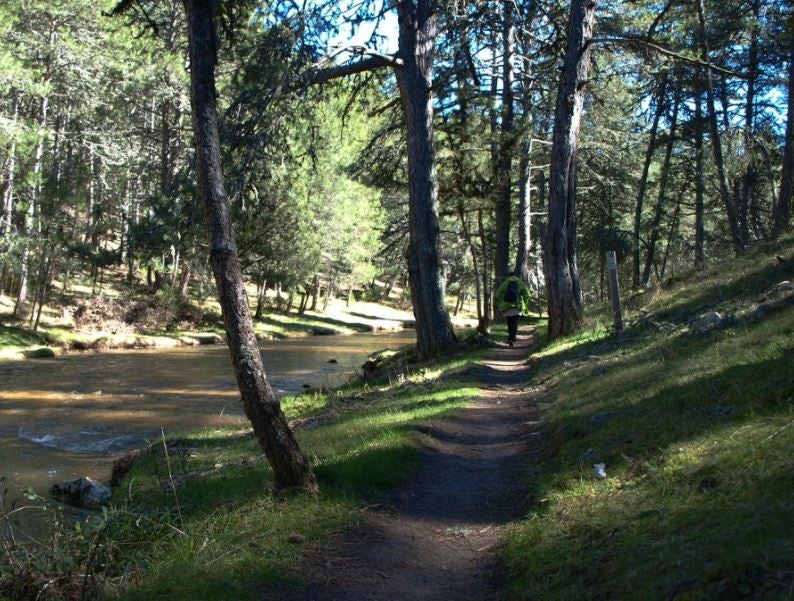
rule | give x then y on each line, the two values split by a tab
13	337
279	325
14	340
696	431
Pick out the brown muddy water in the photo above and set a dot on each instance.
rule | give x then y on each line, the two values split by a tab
71	416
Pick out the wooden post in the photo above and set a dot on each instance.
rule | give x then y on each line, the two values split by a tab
614	291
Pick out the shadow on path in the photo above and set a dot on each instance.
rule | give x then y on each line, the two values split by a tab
436	536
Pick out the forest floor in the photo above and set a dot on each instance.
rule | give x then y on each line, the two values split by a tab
436	536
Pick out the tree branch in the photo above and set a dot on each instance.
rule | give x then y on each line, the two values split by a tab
632	41
373	61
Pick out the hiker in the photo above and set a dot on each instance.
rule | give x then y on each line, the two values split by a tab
513	298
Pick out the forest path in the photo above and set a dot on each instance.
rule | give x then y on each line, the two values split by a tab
436	536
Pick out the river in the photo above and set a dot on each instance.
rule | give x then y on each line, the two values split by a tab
71	416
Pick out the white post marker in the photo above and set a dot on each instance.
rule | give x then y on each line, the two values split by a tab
614	291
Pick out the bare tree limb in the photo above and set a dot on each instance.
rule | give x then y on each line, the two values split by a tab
633	41
373	61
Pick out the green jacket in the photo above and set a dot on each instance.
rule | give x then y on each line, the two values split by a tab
523	296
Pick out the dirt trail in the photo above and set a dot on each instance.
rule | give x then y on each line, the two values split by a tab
436	536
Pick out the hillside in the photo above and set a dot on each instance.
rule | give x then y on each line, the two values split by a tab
691	414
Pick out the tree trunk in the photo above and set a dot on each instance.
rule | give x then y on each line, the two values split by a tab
44	287
133	221
262	407
739	243
30	214
524	209
485	323
673	225
8	182
644	181
417	32
184	278
700	255
782	210
329	292
261	291
750	176
559	258
316	292
505	157
650	257
475	263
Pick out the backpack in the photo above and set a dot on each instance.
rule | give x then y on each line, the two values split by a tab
511	292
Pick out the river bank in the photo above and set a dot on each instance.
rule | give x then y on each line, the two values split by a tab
72	415
238	532
59	334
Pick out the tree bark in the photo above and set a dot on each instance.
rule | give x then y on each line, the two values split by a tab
485	323
262	407
505	154
670	235
750	176
650	257
782	210
8	182
30	214
559	258
417	33
524	209
644	181
700	234
476	265
739	243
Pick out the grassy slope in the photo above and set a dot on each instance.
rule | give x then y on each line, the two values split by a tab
696	433
227	531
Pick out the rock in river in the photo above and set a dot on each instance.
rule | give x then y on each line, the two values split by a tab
82	492
39	352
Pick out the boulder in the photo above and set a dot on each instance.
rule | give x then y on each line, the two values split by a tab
707	321
39	352
82	492
320	331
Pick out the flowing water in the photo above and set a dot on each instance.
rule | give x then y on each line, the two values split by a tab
71	416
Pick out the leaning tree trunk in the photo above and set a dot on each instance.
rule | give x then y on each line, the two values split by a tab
650	257
559	258
782	210
646	166
700	187
417	24
731	210
261	405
